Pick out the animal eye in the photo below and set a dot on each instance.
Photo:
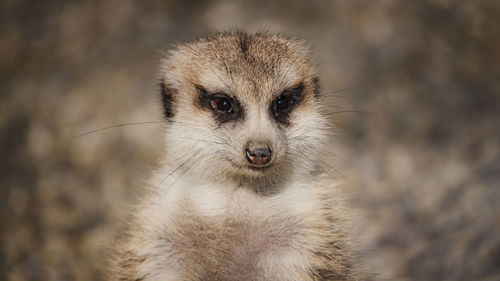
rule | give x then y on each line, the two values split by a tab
286	102
222	105
282	103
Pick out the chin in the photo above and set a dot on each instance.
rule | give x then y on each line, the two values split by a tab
267	172
260	170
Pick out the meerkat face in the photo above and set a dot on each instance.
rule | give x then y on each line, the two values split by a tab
242	106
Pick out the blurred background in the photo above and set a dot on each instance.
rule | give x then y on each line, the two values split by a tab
424	162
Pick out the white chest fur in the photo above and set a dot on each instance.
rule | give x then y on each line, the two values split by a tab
211	232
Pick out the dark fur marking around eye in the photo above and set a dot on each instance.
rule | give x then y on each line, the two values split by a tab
316	88
205	98
167	100
294	96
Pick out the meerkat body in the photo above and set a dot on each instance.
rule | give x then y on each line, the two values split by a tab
240	194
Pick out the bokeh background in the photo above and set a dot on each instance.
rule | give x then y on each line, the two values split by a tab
420	145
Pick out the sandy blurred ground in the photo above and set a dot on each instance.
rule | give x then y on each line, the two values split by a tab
425	161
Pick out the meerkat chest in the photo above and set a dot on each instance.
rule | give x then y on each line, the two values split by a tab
239	235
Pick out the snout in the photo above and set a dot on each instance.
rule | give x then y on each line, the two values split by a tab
258	154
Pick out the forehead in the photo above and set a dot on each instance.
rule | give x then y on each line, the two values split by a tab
246	65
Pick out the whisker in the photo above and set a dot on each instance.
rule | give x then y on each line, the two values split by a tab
339	90
321	165
153	190
116	126
184	173
204	141
172	172
348	111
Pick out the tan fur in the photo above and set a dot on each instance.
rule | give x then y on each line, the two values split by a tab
210	217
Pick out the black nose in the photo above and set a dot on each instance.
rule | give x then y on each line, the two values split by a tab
258	154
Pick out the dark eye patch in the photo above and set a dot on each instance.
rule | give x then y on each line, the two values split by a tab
167	99
282	106
223	107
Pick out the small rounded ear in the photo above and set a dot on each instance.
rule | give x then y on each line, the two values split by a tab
167	99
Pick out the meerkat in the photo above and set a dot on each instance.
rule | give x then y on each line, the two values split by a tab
240	193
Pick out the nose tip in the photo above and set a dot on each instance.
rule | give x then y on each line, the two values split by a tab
258	155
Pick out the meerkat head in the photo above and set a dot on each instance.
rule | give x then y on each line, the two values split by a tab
242	106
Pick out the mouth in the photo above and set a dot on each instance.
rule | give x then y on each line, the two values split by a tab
253	169
261	169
